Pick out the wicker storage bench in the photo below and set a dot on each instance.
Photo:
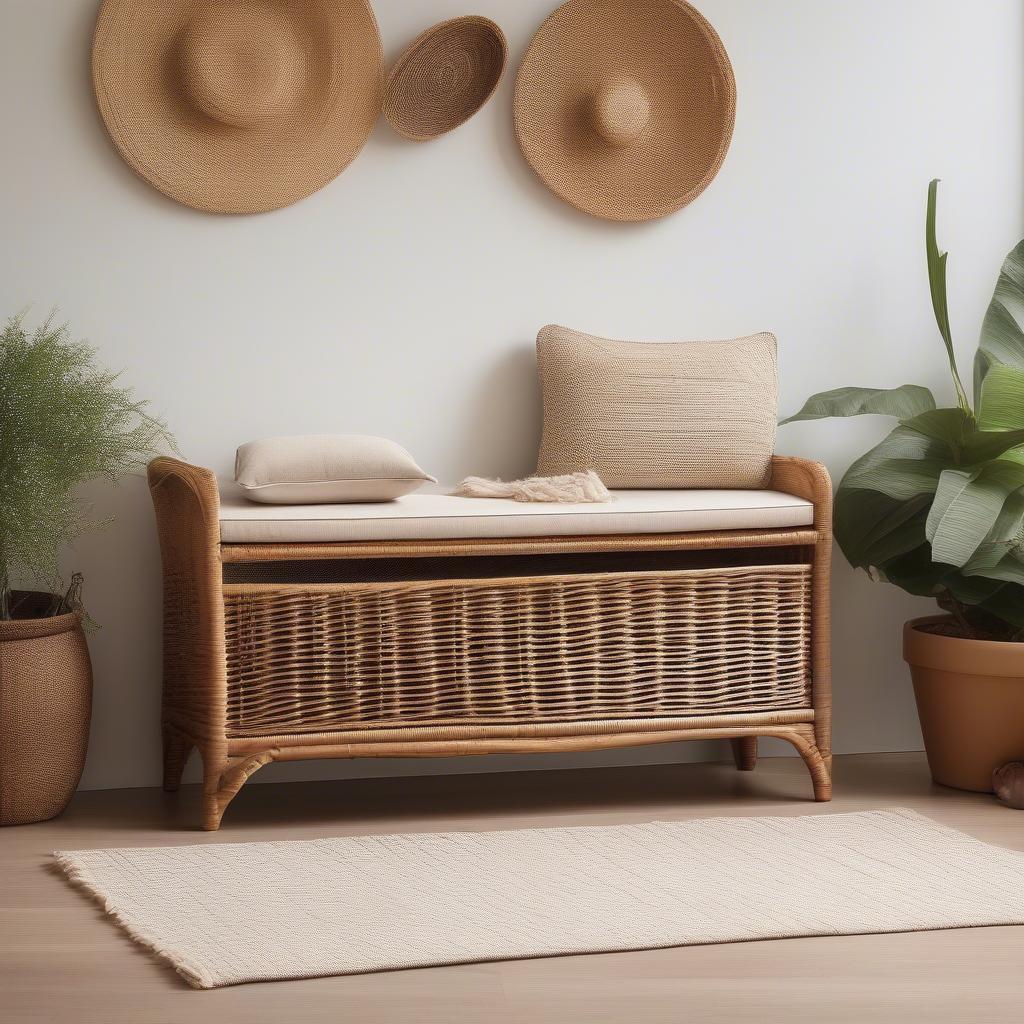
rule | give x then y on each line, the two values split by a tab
373	632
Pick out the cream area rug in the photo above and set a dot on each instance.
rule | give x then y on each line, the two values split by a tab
229	913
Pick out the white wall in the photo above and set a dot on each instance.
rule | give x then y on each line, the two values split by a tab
403	299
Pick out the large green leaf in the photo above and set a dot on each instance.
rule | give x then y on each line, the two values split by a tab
958	430
972	590
1001	403
1002	330
906	464
872	528
1001	556
1006	604
916	572
968	506
950	426
951	485
903	402
997	562
937	285
981	445
1010	523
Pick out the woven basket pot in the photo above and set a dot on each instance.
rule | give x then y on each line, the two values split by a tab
45	706
970	699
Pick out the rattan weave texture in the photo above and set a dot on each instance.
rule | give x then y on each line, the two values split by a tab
625	108
444	77
524	649
45	707
576	647
238	108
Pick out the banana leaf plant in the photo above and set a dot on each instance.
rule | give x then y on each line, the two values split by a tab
938	507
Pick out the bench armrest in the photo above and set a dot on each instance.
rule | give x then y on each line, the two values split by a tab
806	479
187	506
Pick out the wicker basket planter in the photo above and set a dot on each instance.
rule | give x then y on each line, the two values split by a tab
432	648
45	706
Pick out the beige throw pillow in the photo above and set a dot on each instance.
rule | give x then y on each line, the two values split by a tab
313	469
658	414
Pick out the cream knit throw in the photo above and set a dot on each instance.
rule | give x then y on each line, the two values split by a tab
573	487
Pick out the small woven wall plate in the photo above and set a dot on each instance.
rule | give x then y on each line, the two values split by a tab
238	108
444	77
625	108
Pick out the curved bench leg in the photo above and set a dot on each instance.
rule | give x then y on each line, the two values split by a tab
221	788
176	753
821	776
744	752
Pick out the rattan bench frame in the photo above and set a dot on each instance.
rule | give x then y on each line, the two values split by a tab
195	686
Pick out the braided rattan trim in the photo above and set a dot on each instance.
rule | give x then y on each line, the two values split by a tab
718	540
310	658
552	731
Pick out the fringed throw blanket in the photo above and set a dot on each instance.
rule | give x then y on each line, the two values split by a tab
574	487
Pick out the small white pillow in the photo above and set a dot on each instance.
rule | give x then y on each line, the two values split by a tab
315	469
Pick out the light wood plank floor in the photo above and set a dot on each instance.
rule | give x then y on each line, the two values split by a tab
61	961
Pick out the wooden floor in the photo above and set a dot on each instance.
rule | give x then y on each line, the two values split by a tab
60	960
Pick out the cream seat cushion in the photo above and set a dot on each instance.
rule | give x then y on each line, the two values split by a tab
432	516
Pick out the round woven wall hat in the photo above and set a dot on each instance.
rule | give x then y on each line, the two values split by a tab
444	77
238	106
625	108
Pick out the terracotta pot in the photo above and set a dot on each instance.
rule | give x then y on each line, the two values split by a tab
45	706
970	699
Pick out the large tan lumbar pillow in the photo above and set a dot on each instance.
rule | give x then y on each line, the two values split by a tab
658	414
313	469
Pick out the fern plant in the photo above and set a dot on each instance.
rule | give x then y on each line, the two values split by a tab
938	507
63	420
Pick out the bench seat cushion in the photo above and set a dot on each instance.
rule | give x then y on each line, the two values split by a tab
432	516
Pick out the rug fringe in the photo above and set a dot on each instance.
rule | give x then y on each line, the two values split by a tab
82	880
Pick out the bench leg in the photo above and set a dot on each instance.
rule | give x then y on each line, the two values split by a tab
821	775
176	753
220	788
744	752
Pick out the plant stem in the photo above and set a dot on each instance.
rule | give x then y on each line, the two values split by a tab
940	301
961	394
957	610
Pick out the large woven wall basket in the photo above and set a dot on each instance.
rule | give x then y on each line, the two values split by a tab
625	108
238	108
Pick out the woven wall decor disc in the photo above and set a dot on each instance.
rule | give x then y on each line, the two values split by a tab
238	106
625	108
444	77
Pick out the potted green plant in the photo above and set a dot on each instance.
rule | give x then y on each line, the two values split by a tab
938	510
63	420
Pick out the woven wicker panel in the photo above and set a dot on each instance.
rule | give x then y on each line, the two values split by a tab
312	658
